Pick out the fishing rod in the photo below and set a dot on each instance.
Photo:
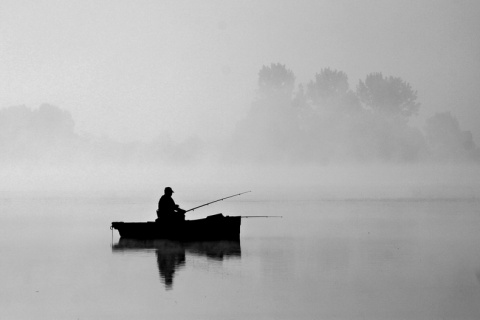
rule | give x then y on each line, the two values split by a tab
206	204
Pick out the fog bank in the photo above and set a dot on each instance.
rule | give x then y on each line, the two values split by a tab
321	140
279	183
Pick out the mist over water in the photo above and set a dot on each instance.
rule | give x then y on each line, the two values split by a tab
358	123
320	139
285	146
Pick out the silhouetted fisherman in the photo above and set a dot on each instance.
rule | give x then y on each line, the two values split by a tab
167	209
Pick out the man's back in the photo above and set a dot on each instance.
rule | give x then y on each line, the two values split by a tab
166	205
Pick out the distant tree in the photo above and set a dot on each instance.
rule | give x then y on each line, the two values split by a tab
47	122
269	132
299	100
325	109
50	122
388	96
330	89
328	84
275	80
446	139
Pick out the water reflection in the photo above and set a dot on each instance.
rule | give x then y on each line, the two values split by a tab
171	254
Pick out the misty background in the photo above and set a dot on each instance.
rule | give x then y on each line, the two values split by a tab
133	96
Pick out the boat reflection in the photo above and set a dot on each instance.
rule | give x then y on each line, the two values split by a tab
171	254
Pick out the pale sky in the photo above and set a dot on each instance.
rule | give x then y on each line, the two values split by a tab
133	70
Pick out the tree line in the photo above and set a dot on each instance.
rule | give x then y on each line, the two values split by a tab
319	122
325	121
46	136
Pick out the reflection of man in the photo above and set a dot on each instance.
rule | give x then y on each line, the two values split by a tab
168	263
167	209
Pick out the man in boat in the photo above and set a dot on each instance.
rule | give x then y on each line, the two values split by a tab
167	209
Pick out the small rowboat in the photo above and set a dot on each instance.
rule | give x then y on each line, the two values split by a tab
215	227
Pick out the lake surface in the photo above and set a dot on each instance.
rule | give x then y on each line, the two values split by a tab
342	259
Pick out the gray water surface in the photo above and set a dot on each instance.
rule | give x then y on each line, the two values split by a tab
396	259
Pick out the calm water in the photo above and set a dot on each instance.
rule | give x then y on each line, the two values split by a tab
322	260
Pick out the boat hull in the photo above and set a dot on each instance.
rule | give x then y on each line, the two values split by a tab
216	227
